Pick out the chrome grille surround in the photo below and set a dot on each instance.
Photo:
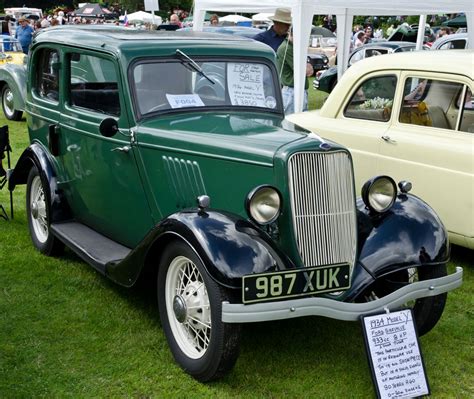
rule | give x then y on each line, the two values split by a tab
323	206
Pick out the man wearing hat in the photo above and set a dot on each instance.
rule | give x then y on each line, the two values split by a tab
277	33
24	34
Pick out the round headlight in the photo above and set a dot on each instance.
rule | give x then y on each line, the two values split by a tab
263	204
379	193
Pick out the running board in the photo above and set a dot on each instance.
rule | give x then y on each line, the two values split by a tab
94	248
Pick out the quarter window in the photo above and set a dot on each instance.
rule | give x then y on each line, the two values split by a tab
93	84
47	82
373	99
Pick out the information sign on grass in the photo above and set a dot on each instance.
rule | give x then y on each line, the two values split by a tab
394	355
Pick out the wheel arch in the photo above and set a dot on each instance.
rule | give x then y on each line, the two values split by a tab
37	156
228	246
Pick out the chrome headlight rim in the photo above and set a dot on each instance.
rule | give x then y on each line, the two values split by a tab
368	193
253	196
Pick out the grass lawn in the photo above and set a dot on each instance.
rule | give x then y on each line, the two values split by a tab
66	331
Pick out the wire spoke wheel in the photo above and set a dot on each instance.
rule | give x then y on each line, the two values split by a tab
38	212
190	304
188	308
427	311
39	219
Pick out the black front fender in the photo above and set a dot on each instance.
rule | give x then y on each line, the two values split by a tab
409	234
229	247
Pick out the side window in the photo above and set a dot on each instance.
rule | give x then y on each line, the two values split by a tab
373	99
93	84
426	102
454	44
47	78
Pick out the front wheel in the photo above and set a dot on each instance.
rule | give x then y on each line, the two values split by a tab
7	105
190	305
426	311
39	215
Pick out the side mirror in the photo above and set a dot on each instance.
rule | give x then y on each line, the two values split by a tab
108	127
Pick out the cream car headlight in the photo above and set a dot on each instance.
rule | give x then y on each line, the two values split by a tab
263	204
379	193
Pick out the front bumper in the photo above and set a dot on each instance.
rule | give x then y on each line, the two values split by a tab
239	313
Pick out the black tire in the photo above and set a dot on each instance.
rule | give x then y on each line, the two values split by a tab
333	84
39	215
7	105
427	311
204	346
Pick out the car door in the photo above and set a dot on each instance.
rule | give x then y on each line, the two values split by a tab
102	184
431	144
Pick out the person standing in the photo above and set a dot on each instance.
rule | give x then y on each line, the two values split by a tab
284	59
24	34
277	33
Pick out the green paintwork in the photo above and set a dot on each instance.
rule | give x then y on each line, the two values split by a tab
173	157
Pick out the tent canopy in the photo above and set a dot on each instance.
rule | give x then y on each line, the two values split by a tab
92	10
144	17
302	12
458	22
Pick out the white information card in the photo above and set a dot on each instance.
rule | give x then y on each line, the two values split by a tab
394	355
245	84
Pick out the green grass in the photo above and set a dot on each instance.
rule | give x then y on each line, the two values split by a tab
66	331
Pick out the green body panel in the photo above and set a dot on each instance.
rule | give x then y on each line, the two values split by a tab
221	155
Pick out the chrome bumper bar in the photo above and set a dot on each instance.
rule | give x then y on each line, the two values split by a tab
239	313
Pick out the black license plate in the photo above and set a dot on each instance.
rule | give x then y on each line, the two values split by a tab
295	283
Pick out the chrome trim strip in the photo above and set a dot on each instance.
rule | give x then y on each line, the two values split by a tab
239	313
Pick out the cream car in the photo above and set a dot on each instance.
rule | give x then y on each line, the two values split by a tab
410	116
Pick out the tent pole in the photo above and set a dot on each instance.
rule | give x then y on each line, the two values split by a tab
421	32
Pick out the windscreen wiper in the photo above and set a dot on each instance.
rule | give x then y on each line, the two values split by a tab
189	62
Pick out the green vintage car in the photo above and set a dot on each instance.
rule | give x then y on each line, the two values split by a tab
168	154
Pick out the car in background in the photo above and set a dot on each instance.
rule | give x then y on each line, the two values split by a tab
328	79
455	41
244	31
410	116
11	51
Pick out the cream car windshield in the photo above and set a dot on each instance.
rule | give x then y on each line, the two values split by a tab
171	85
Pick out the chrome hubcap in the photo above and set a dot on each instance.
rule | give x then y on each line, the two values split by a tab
179	308
34	210
8	102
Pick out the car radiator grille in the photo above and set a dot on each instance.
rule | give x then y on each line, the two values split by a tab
323	207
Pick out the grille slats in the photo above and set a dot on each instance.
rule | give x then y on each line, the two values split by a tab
323	207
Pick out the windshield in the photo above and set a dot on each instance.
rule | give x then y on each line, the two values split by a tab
183	83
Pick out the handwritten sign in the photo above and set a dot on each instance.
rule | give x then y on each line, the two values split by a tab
394	355
184	100
245	84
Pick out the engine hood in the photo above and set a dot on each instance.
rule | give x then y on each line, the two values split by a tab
247	137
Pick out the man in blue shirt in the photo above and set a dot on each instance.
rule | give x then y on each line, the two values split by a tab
24	34
277	33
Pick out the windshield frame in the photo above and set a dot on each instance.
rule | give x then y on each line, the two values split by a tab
278	110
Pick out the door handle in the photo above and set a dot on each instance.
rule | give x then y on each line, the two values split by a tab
53	139
388	139
124	149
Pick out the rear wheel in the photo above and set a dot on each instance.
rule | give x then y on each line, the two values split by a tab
39	215
190	305
7	105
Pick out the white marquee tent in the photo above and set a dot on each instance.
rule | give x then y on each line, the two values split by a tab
303	11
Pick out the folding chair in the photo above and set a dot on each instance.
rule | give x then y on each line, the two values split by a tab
5	148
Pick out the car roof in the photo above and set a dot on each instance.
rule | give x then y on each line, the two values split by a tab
393	45
448	38
458	62
123	40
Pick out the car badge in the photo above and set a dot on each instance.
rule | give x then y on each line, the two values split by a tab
325	146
